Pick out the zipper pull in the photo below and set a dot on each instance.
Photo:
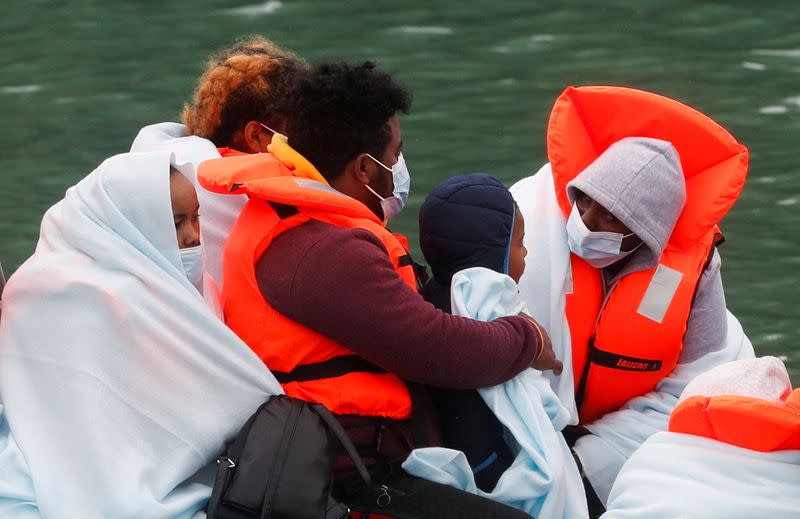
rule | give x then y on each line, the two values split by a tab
384	499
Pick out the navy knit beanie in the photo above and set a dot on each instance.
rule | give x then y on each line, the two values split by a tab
466	221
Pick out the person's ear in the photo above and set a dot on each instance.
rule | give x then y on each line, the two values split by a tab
361	168
256	138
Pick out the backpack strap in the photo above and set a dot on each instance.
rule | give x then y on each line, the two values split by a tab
338	431
421	414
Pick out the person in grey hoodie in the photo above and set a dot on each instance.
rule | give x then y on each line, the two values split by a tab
625	206
636	188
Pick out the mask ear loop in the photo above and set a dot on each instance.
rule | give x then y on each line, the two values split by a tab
275	134
381	198
269	129
374	193
387	168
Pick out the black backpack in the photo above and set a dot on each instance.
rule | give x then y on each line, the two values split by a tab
281	465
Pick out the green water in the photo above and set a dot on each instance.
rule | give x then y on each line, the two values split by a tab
80	78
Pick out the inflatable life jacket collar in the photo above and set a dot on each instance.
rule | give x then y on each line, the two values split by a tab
754	406
750	423
227	174
309	195
586	121
299	165
234	173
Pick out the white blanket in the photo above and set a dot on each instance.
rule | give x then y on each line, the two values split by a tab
119	385
763	377
543	479
542	286
676	476
218	212
547	275
17	496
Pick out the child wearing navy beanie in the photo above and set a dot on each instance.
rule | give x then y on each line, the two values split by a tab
471	221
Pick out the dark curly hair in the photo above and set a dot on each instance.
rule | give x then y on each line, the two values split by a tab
246	82
337	111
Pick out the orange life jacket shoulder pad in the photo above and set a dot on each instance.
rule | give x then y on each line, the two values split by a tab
227	174
750	423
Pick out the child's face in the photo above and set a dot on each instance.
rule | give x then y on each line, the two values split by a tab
184	211
517	251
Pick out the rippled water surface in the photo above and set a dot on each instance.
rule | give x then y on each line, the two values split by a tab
80	78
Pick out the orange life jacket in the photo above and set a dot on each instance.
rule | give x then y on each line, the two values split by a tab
746	422
625	342
229	152
286	191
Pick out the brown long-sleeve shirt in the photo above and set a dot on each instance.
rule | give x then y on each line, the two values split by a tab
340	283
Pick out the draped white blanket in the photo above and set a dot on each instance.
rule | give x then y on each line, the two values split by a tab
218	212
678	475
543	479
120	387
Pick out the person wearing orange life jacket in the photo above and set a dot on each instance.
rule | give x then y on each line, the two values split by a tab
240	90
624	221
327	296
736	432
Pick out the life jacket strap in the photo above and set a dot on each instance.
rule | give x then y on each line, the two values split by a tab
623	362
331	368
607	359
284	210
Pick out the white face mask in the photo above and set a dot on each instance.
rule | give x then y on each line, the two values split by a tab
192	260
392	205
599	249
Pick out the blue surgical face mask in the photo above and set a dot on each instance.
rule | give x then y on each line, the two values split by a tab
192	260
392	205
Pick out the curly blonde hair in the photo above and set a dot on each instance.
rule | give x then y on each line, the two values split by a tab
246	82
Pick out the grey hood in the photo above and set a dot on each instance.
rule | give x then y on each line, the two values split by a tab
640	181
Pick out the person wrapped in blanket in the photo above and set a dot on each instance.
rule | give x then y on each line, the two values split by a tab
627	279
471	221
501	442
119	386
732	450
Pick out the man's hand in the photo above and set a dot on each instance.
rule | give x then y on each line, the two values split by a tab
546	359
